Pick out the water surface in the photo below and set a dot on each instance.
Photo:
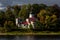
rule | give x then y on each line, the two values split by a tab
37	37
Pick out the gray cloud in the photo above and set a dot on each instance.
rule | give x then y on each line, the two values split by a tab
13	2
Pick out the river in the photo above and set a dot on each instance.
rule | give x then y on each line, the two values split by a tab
37	37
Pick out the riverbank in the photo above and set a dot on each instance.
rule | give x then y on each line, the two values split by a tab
30	33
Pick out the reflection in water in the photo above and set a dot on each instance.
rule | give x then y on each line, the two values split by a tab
24	38
30	37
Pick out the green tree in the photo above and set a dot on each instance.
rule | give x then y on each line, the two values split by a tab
9	14
39	25
16	10
43	6
35	9
24	12
9	25
2	18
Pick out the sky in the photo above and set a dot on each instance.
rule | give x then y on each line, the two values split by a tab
4	3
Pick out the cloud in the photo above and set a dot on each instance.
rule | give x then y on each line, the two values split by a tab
1	8
20	2
1	4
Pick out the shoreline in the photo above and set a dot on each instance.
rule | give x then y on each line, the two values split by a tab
30	33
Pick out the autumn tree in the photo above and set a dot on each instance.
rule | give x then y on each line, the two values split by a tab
47	19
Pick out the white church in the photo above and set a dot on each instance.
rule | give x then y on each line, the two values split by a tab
26	24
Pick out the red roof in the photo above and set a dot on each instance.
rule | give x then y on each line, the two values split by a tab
24	23
32	19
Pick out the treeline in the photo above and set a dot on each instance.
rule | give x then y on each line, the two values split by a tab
48	17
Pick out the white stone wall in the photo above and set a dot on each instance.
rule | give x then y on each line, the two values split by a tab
16	21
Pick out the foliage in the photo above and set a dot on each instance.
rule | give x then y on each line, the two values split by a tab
48	17
9	25
2	18
23	13
16	10
39	25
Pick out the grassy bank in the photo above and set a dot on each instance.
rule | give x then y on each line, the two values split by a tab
30	33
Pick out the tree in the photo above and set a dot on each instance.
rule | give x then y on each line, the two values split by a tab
16	10
53	21
2	18
46	19
24	12
9	14
43	6
9	25
41	16
35	9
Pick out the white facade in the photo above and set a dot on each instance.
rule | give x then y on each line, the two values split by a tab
27	20
32	23
30	15
16	21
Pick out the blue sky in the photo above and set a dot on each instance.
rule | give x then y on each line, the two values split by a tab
14	2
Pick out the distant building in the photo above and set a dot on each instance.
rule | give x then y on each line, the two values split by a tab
26	24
